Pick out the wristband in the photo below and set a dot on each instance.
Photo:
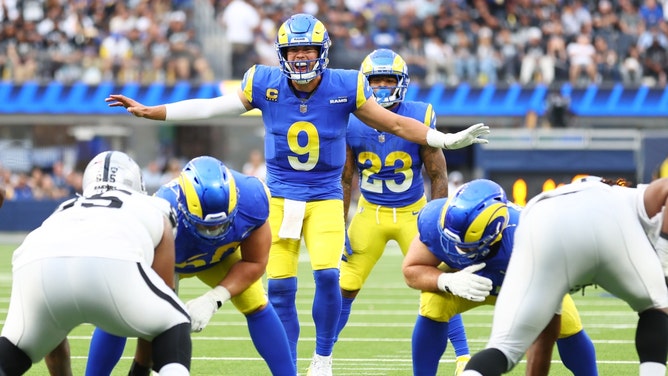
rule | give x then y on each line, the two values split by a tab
220	294
441	283
438	139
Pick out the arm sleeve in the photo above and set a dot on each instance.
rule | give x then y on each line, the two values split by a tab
194	109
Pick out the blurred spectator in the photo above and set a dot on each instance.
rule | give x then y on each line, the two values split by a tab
185	60
153	177
631	25
172	170
241	21
64	62
607	61
581	55
573	17
605	22
116	53
651	13
556	50
23	53
265	38
537	66
631	68
21	189
559	113
488	58
510	56
455	180
255	166
440	61
647	38
655	64
384	36
465	60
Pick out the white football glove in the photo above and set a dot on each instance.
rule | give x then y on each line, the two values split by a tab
458	140
202	308
465	284
661	248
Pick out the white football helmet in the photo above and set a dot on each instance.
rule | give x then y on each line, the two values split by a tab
112	170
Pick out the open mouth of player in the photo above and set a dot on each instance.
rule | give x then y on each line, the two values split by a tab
300	66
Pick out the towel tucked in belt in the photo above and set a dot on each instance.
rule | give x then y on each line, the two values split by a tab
293	218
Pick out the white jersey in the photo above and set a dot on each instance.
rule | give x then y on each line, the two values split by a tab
573	236
117	224
90	262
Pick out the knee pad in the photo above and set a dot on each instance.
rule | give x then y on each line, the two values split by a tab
652	336
173	346
326	278
13	361
282	291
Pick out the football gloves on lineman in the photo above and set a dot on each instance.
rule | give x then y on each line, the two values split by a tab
202	308
465	284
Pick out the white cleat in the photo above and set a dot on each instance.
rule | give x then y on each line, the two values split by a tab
320	366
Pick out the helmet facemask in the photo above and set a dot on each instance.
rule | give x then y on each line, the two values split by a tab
207	198
473	220
302	30
384	62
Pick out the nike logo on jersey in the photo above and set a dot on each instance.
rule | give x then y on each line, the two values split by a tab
416	212
338	100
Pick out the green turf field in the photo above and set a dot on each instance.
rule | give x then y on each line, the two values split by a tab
377	338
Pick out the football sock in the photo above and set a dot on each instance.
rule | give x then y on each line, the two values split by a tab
271	341
578	354
174	345
488	362
652	336
346	306
104	353
430	338
326	309
13	360
457	335
282	294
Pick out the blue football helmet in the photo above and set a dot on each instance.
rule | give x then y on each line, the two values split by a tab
207	197
473	219
384	62
302	30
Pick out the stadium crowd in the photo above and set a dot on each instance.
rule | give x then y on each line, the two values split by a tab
454	41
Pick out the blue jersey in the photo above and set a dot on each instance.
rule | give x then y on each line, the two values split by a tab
390	167
497	261
194	253
305	142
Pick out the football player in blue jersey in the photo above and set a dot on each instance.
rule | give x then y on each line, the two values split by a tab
223	239
391	185
459	259
305	108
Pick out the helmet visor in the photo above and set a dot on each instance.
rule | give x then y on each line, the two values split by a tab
212	226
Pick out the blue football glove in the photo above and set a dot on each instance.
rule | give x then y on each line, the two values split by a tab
348	249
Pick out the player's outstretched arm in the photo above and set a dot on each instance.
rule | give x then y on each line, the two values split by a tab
190	109
469	136
375	116
135	108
